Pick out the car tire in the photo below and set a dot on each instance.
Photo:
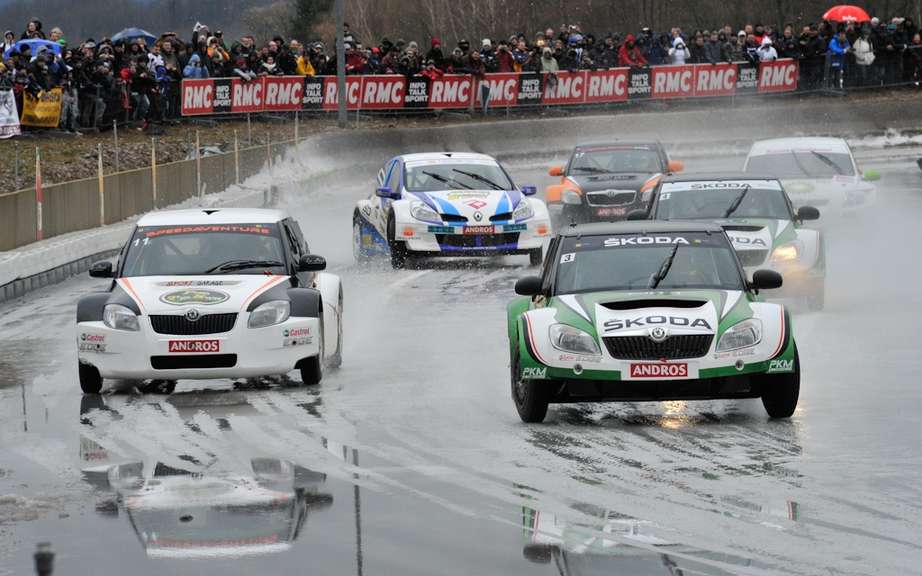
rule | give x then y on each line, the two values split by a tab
531	398
781	391
312	368
90	380
536	256
399	252
158	387
359	253
816	300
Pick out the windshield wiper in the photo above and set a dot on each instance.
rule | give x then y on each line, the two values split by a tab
592	170
827	161
737	201
445	180
479	178
243	264
663	269
800	164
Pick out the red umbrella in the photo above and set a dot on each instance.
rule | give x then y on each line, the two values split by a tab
846	13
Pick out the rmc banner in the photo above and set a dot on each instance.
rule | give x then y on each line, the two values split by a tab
503	90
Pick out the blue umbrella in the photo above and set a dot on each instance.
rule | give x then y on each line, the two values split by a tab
132	34
34	44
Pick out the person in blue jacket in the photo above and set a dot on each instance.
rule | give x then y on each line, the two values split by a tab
839	47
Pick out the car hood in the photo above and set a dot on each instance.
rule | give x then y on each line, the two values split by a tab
619	181
476	205
633	313
207	294
757	233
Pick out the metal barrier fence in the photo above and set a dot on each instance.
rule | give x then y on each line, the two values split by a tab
109	198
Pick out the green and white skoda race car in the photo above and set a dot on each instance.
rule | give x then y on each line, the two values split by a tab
648	311
763	226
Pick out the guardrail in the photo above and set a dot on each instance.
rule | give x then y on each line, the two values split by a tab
43	211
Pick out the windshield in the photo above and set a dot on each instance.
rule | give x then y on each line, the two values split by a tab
434	177
614	159
711	200
635	262
210	249
802	164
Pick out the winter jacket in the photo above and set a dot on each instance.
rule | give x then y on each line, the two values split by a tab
714	53
194	68
630	54
864	52
679	53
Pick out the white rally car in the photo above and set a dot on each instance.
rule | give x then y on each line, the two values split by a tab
448	204
210	293
819	172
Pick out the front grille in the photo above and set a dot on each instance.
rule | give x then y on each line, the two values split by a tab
453	218
673	348
177	325
611	198
752	257
474	242
197	361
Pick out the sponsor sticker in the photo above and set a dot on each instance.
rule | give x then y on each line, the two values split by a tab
92	347
476	204
296	332
515	228
578	358
194	296
475	230
781	366
747	241
654	320
441	229
204	229
194	346
466	195
643	241
197	283
292	342
97	338
660	370
532	373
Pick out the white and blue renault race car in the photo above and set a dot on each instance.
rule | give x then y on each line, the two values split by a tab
448	204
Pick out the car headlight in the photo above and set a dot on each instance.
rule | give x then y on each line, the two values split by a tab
786	252
270	314
741	335
569	339
523	211
572	197
120	317
421	211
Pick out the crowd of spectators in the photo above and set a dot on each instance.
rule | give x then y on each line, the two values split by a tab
138	79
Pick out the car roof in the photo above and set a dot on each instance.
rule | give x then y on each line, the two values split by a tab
605	143
710	176
195	216
776	145
639	227
423	156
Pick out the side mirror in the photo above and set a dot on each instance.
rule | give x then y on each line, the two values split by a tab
538	553
675	166
529	286
766	280
312	263
637	215
555	171
871	175
102	269
808	213
529	190
386	192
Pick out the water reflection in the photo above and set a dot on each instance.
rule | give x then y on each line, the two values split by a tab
182	507
605	542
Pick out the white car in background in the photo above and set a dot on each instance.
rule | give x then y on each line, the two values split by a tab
819	172
210	293
448	204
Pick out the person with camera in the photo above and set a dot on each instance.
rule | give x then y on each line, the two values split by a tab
679	53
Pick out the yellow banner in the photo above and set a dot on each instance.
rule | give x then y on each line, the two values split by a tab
43	110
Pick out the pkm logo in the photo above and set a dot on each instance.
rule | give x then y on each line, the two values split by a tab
781	366
532	373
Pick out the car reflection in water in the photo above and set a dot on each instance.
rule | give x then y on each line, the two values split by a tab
610	543
179	513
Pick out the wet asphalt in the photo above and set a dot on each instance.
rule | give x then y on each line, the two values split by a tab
410	459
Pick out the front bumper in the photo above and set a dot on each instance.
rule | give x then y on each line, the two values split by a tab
475	240
563	214
241	353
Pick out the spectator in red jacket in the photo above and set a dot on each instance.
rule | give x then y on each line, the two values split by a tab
630	54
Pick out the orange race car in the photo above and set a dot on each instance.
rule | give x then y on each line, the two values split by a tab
604	182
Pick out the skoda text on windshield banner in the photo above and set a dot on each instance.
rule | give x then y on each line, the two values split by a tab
502	90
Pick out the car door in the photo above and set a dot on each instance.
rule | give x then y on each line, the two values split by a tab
389	177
